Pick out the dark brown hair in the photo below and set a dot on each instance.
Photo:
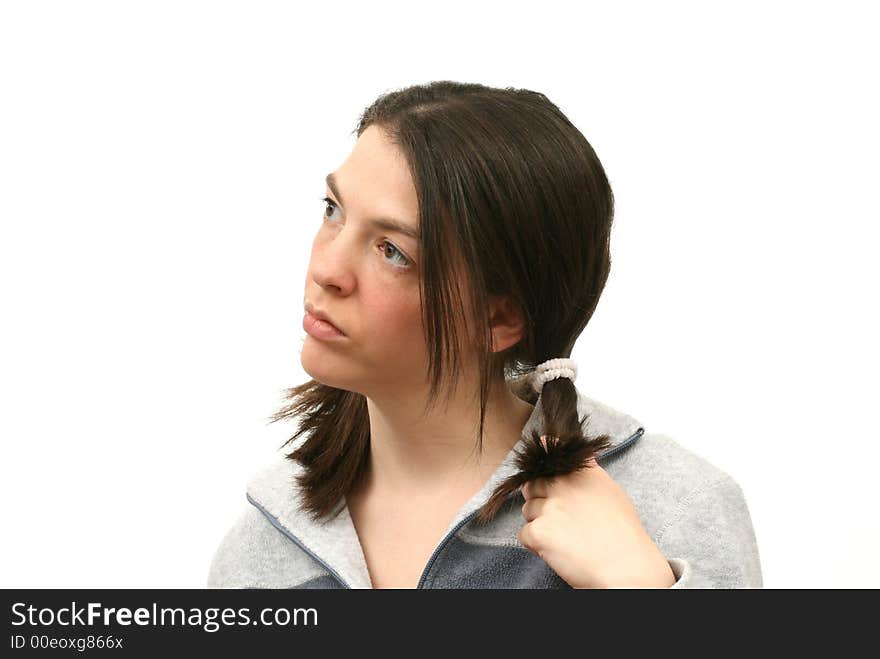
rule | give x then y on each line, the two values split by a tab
513	202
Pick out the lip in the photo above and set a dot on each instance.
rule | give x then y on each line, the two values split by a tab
320	329
320	315
318	324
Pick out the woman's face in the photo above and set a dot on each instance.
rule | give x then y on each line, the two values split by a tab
364	276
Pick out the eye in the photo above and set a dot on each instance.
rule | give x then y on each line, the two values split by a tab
327	204
404	262
399	260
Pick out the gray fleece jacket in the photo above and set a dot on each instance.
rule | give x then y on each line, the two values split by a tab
695	513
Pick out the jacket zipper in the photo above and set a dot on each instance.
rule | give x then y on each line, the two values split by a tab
446	539
274	521
629	440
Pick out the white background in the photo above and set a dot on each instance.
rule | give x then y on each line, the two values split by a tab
161	169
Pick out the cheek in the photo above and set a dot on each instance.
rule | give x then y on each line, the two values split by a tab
395	320
396	316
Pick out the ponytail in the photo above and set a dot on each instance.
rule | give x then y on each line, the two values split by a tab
560	446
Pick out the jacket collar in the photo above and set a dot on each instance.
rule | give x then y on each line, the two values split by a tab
335	543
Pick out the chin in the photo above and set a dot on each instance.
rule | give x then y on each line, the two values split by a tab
322	368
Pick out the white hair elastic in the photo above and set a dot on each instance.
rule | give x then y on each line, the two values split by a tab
561	367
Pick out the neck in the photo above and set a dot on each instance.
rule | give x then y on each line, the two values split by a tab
413	453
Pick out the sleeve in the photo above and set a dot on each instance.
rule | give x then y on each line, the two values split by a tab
710	542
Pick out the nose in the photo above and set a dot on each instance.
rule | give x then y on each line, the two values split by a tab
331	265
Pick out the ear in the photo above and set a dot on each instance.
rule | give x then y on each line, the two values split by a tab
505	322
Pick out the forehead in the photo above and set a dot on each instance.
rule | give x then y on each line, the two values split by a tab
376	175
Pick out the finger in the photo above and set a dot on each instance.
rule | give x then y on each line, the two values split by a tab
532	509
589	467
537	487
527	539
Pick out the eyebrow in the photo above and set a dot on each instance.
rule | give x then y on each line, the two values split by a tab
387	223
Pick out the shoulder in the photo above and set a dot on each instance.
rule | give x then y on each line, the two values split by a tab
661	476
658	459
695	512
254	554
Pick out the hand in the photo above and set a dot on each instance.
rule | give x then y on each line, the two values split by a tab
586	528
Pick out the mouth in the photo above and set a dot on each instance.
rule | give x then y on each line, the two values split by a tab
317	324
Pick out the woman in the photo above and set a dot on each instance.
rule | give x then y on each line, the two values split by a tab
441	442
